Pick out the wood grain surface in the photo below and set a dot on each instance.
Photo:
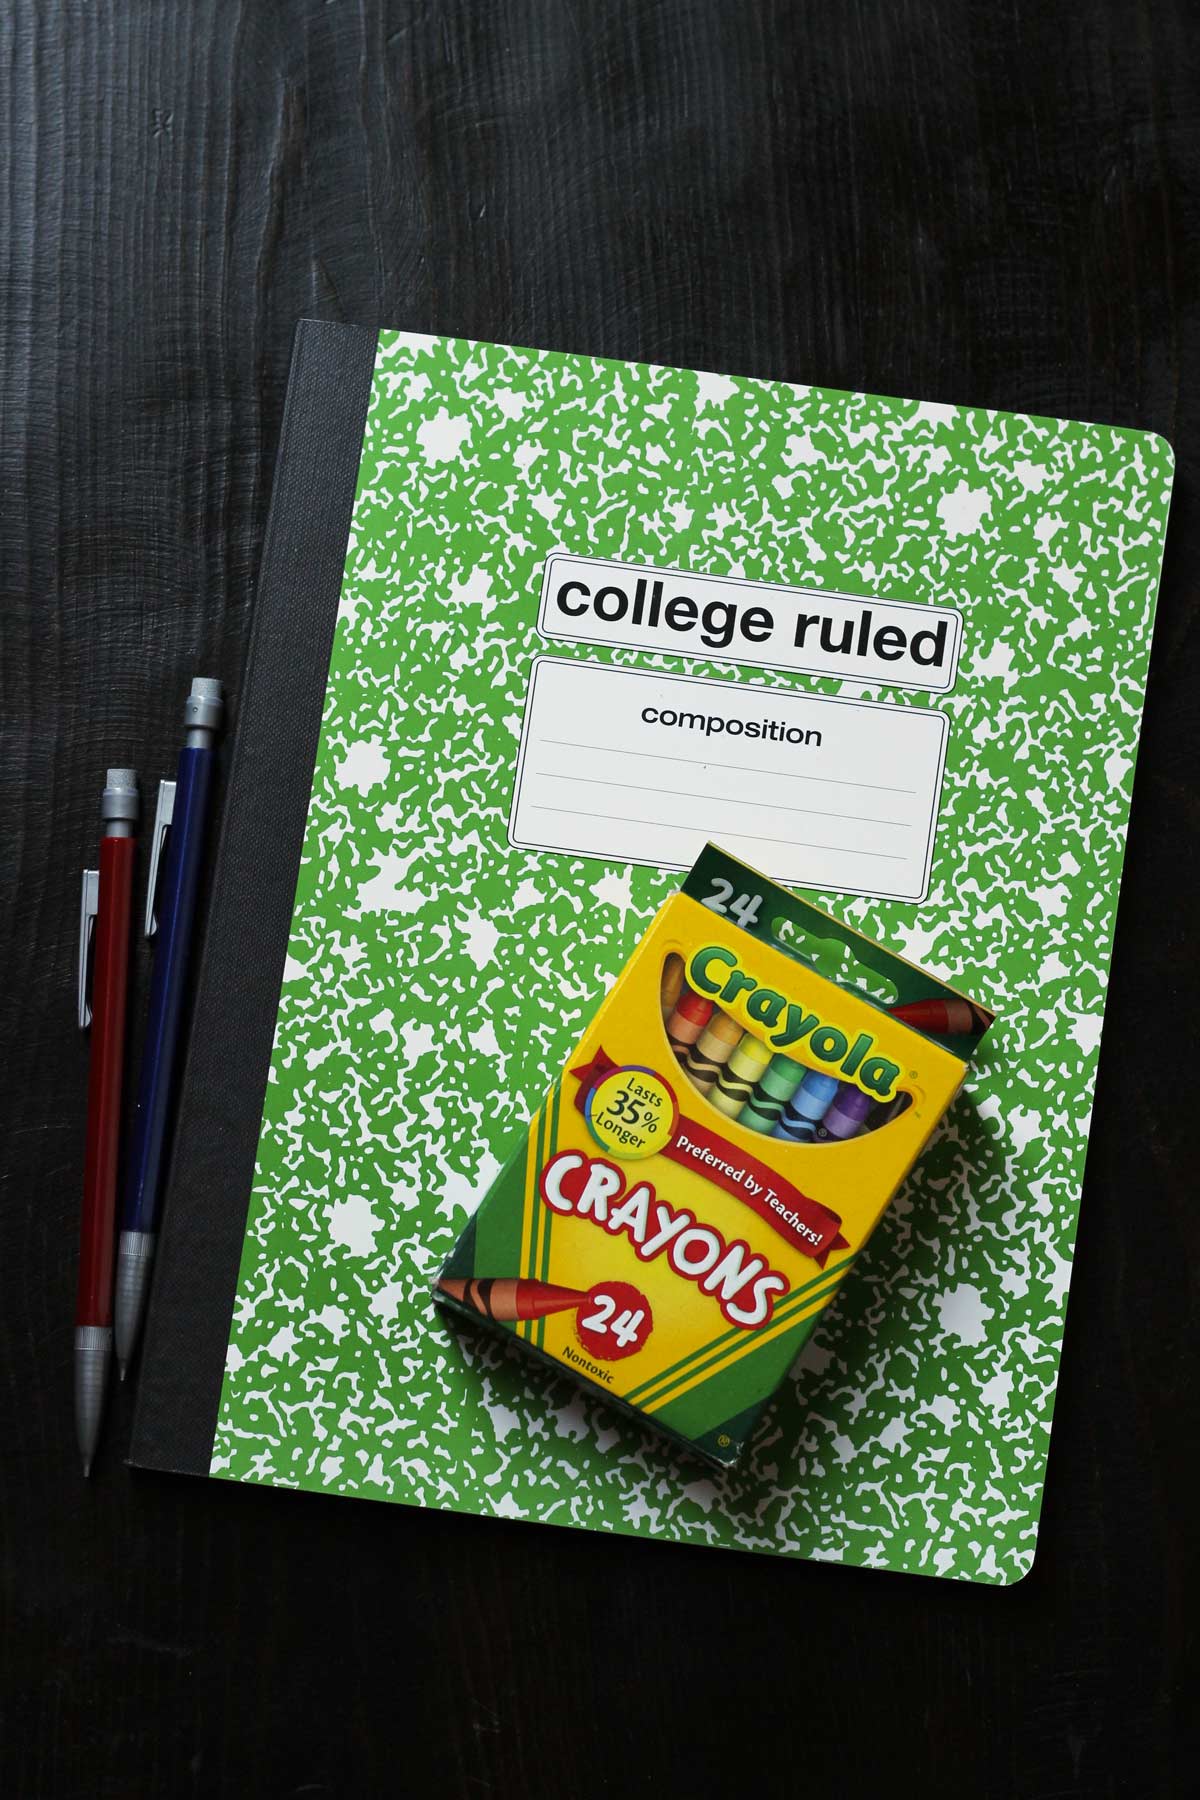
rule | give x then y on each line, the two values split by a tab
994	203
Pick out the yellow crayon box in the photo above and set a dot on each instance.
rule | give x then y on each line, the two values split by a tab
714	1155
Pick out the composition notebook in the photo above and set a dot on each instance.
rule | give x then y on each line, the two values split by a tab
530	629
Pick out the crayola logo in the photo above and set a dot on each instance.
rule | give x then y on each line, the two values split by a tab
787	1025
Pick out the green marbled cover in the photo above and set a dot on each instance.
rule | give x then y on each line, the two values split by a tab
435	977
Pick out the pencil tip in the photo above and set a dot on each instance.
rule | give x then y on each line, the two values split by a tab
122	1370
87	1467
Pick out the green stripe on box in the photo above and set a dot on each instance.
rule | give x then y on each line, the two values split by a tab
498	1228
550	1112
735	1390
727	1338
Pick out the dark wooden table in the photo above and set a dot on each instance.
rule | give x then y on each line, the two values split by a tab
995	203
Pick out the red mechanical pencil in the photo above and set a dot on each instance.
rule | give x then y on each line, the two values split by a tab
103	942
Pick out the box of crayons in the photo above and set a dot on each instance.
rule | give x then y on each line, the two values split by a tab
714	1155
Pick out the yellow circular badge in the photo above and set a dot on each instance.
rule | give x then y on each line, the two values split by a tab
632	1113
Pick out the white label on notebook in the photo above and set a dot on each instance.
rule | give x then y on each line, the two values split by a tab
629	766
588	600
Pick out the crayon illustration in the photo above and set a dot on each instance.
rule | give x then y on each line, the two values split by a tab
670	985
712	1049
735	1082
959	1017
846	1115
776	1085
508	1300
687	1021
807	1107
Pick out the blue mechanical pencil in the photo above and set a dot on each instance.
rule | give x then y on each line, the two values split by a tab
177	851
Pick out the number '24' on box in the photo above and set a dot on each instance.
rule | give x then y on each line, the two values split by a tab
714	1155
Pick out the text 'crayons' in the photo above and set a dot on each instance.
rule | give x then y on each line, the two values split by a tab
507	1299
